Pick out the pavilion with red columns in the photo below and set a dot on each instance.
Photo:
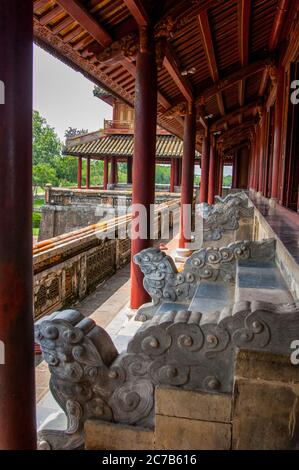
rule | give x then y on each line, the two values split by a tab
220	75
115	143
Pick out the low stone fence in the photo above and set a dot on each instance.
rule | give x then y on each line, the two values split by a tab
114	198
287	264
68	209
69	267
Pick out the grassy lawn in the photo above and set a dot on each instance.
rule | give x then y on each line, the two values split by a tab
37	203
36	216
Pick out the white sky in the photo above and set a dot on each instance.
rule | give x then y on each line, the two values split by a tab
65	97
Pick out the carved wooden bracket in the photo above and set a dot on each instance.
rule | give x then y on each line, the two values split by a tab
125	47
180	109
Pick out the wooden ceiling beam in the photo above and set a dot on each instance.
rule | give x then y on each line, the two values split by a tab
246	108
235	148
278	22
244	12
138	11
39	4
87	21
237	129
48	17
171	64
232	79
264	82
207	41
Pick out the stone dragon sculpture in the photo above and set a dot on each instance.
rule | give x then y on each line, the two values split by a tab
90	380
164	283
224	215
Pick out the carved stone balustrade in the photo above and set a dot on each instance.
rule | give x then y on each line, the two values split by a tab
164	283
184	349
225	218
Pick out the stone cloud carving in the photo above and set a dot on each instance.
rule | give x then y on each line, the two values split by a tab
165	284
89	379
224	215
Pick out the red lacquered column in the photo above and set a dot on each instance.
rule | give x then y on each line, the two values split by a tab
113	171
277	134
204	179
79	173
129	170
88	173
143	190
172	175
17	388
211	188
106	163
187	181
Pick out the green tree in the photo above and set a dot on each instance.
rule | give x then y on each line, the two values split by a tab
43	173
46	144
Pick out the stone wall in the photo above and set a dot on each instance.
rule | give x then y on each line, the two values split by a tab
70	209
69	267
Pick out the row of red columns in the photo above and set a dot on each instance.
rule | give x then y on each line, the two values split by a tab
17	387
108	178
112	177
260	146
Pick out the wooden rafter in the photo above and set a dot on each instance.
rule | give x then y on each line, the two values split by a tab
237	129
235	148
86	20
244	12
246	108
172	66
138	11
281	13
207	41
278	22
232	79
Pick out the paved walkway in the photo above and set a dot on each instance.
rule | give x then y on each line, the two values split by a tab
284	223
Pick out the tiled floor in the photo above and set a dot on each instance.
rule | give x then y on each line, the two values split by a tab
284	223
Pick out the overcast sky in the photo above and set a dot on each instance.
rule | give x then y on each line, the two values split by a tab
65	97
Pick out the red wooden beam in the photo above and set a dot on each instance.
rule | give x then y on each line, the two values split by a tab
47	17
137	11
237	128
248	107
171	64
281	13
264	82
244	11
86	20
207	41
39	4
235	148
232	79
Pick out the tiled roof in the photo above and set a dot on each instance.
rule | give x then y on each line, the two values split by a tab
122	146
